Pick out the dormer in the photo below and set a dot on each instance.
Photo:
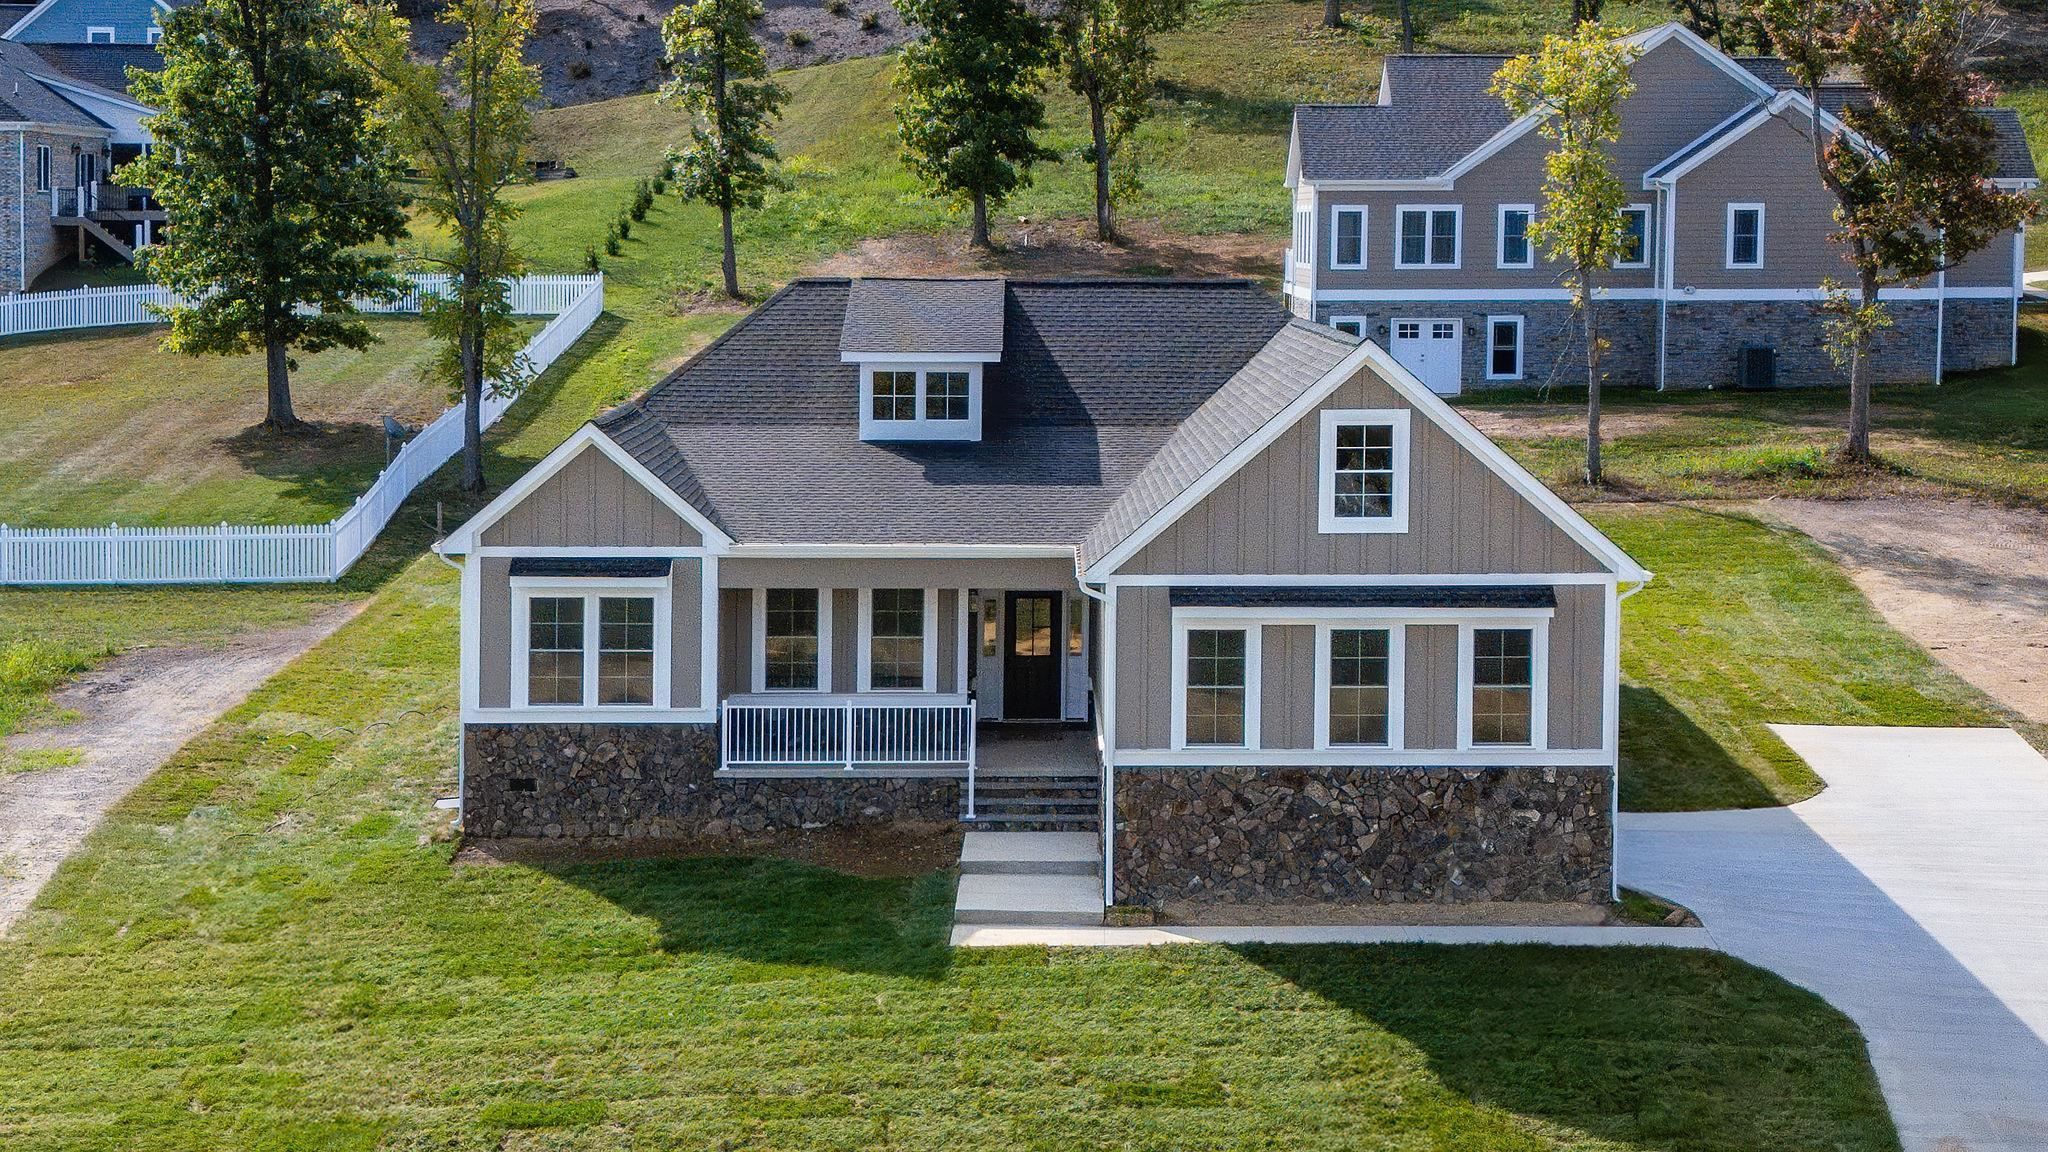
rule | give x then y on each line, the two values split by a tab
919	347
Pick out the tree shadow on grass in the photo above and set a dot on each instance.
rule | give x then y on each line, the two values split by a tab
782	912
325	463
1669	763
1671	1050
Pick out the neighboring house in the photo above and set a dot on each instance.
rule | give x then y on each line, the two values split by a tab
66	123
861	559
1411	220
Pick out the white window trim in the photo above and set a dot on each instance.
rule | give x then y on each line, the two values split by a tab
1364	235
865	634
590	589
1327	521
1358	320
919	428
1457	234
1539	683
96	30
46	168
760	645
1521	356
1649	237
1253	660
156	33
1728	247
1500	236
1397	681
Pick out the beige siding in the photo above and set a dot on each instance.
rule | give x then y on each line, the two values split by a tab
1992	266
735	643
1432	687
1287	704
1461	517
1578	646
845	604
1051	574
591	502
686	634
494	632
946	634
1144	668
1773	166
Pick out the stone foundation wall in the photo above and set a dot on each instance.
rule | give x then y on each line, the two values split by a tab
1553	340
1359	835
650	781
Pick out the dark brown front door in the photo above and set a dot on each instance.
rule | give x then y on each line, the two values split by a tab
1031	663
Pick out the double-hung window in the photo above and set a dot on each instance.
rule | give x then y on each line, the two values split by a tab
1635	237
1347	236
1515	249
99	34
1426	236
1504	673
1503	347
1218	704
44	168
792	640
1349	325
896	640
1359	696
1363	481
1745	236
590	644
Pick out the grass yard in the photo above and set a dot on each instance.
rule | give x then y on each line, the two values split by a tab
1745	625
266	947
1981	435
104	427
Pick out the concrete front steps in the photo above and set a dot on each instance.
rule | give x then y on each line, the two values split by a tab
1037	879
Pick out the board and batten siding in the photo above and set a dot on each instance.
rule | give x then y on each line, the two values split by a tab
1462	518
591	502
495	642
1287	696
737	643
1431	685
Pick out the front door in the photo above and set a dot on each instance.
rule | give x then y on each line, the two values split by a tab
88	177
1031	661
1433	350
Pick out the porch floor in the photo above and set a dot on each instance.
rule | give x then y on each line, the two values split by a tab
1021	750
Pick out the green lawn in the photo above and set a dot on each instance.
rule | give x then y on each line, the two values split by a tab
1980	435
266	947
1744	625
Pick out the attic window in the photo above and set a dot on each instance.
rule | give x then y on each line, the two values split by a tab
916	402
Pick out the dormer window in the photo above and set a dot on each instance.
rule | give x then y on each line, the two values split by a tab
914	402
921	347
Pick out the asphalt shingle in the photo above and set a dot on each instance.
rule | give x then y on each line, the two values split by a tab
960	317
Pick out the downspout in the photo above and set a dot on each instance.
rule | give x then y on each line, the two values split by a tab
21	202
1614	781
1940	307
1105	729
1667	200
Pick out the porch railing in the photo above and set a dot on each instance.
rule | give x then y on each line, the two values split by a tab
849	732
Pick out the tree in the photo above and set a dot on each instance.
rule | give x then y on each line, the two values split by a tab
1910	166
1578	83
277	182
465	123
1107	51
1585	12
969	87
1333	13
721	80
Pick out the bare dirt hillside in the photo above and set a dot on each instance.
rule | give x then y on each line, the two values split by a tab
598	49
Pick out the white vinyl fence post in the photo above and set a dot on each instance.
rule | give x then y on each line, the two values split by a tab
6	556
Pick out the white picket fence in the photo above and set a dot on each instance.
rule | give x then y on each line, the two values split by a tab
283	553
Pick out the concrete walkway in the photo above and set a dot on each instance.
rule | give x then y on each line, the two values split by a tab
1913	895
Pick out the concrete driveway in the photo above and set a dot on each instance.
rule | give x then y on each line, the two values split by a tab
1913	895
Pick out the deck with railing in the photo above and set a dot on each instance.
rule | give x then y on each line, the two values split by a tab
848	732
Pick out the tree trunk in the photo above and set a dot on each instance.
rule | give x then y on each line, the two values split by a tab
1407	27
1105	221
1593	475
277	414
1333	14
732	264
1857	449
1584	11
472	353
980	238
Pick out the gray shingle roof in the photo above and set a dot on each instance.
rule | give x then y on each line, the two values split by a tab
103	65
761	429
1296	357
2015	160
885	316
1445	113
23	96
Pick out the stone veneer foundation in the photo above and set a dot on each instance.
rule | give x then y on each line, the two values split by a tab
1363	835
653	781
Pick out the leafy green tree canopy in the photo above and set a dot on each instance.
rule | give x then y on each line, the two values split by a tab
278	181
721	81
1107	54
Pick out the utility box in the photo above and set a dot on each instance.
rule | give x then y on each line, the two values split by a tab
1756	367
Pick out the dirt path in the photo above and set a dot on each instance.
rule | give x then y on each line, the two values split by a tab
1968	581
134	712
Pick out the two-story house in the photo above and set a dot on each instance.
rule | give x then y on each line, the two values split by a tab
66	123
1412	217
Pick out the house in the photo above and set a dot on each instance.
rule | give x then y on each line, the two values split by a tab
1411	218
66	123
1031	552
